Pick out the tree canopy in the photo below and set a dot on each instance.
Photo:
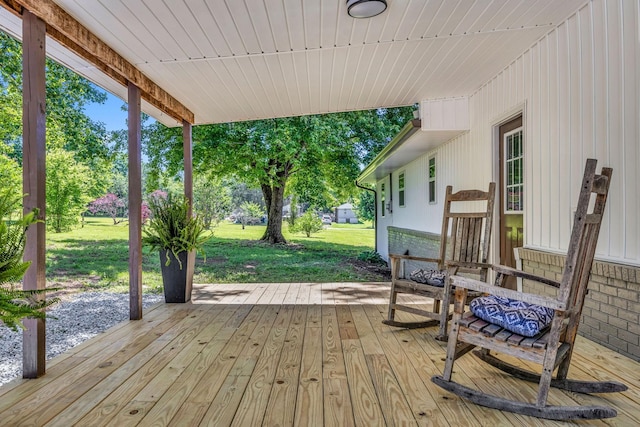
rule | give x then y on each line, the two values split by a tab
83	144
315	157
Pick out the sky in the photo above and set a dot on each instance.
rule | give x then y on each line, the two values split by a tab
110	113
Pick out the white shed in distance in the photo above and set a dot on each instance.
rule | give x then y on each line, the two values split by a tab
345	214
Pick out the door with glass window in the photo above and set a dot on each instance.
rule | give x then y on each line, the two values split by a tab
511	192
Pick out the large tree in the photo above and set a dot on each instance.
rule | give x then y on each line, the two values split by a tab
68	127
318	157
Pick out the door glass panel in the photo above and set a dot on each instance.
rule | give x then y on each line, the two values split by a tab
514	167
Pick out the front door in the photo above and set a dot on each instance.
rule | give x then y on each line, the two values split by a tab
511	192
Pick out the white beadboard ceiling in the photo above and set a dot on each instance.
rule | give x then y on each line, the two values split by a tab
232	60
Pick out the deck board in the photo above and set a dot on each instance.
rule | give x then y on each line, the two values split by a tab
284	354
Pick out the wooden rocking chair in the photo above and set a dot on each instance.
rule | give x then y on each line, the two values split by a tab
464	246
553	346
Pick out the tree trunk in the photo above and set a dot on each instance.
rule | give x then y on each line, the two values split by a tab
274	200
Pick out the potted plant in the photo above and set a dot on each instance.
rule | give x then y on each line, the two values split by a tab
16	304
178	237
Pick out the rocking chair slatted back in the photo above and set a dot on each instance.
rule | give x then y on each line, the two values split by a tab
464	244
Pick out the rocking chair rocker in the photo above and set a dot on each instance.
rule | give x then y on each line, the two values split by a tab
490	324
464	247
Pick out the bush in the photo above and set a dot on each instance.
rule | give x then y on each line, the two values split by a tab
372	257
307	223
16	304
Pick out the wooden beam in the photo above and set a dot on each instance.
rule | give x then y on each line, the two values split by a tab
187	143
67	31
135	204
33	184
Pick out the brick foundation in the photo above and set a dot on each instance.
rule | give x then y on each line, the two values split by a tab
418	243
611	313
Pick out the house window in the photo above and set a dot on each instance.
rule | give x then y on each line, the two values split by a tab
401	190
432	179
514	167
382	200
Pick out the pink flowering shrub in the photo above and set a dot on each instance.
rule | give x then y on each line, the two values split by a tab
111	205
146	213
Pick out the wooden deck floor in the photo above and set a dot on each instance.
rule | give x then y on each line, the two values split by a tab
281	355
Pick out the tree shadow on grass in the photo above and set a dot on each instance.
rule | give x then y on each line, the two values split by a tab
103	262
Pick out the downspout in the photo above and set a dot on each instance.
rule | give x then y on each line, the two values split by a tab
375	212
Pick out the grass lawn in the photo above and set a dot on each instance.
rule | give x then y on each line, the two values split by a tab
96	257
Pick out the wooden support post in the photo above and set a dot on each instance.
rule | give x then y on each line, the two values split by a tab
33	184
187	143
135	204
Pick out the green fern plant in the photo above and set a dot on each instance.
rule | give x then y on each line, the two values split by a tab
172	229
16	304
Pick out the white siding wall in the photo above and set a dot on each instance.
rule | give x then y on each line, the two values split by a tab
580	88
382	237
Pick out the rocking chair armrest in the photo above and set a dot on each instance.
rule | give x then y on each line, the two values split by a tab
414	258
476	285
509	271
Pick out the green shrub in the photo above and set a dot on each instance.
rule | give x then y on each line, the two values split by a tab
16	304
372	257
307	223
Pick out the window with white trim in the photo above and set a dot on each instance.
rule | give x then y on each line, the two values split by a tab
401	184
432	180
514	170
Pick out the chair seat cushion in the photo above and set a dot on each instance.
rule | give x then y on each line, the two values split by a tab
430	277
515	316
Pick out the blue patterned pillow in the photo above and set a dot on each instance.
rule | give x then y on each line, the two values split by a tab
516	316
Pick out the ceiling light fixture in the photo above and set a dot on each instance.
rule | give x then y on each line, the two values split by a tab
365	8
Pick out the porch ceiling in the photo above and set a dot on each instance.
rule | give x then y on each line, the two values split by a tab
229	60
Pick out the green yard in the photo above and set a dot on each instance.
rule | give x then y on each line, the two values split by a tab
96	256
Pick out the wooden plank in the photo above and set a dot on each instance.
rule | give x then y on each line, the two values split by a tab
413	368
292	294
337	405
34	183
309	401
315	293
366	334
226	383
467	320
491	329
346	325
503	335
232	383
304	294
66	30
392	400
254	401
364	401
333	361
282	400
478	325
515	339
134	153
